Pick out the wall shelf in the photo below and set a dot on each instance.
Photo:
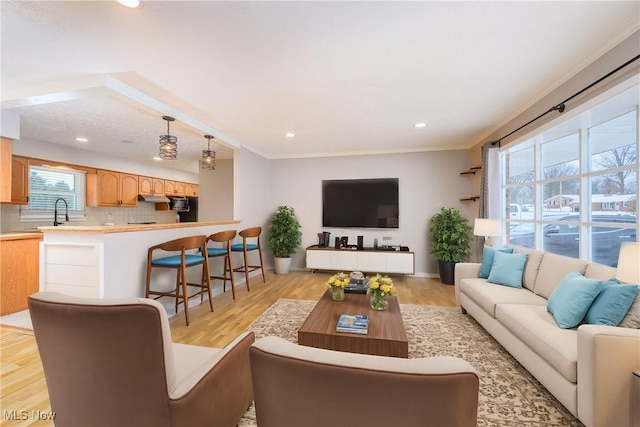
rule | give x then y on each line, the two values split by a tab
471	170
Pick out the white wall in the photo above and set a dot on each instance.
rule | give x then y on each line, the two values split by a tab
215	199
427	182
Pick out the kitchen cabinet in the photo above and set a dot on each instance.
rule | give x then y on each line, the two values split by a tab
19	270
5	170
148	185
113	189
174	188
191	190
19	181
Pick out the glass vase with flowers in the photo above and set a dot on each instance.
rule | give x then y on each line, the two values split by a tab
337	282
380	287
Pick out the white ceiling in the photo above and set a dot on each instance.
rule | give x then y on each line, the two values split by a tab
345	77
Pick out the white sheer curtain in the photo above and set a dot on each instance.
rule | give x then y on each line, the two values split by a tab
490	205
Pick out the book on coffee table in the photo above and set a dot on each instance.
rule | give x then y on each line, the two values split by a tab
353	323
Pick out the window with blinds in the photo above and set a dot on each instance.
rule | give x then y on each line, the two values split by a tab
48	184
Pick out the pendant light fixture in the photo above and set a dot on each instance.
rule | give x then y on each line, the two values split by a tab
208	161
168	143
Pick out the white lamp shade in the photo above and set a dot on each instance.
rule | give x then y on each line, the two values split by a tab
487	227
629	263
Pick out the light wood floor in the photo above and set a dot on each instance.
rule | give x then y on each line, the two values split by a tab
22	384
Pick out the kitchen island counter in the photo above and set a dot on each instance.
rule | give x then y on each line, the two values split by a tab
110	261
126	228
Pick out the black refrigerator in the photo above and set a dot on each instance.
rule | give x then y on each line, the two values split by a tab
192	214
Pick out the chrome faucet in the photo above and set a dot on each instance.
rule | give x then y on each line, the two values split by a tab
55	212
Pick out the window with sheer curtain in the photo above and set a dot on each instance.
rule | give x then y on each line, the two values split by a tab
48	184
572	189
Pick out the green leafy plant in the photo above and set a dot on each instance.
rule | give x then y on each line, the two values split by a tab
284	232
450	235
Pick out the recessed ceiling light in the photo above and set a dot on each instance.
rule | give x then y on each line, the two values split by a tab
80	139
130	3
290	135
420	125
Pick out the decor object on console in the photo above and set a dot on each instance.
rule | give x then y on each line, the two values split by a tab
168	143
380	287
284	238
450	235
208	161
112	362
487	228
337	282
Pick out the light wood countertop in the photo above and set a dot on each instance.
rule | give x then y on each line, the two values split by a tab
130	227
21	236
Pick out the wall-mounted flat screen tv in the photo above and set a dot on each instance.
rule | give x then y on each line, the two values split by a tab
362	203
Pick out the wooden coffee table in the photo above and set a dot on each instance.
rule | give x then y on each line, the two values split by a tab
386	336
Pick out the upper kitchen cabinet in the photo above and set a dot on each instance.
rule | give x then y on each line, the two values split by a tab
5	170
19	181
108	188
174	188
147	185
191	190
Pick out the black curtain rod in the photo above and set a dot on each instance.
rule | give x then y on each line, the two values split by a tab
561	107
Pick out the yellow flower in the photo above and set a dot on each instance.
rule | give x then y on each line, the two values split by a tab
339	280
373	285
385	288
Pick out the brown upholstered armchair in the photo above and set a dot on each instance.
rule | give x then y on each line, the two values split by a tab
112	363
304	386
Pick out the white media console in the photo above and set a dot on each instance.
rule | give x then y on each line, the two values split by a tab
368	260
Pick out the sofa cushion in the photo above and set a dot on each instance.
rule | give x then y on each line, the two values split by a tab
599	271
632	318
487	295
535	327
534	257
488	253
507	269
571	299
611	304
553	268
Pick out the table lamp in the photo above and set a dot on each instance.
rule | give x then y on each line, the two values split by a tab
487	228
629	263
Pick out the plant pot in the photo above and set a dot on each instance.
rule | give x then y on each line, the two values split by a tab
447	272
281	265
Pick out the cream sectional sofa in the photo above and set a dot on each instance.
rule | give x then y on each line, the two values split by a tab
588	369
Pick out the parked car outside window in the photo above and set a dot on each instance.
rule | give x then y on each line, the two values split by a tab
564	239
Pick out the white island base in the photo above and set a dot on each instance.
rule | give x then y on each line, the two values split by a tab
111	261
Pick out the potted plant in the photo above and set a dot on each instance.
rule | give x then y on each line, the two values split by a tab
451	237
284	238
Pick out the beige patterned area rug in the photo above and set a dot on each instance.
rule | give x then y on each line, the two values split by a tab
509	395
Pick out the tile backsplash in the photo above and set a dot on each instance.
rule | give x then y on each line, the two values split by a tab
145	212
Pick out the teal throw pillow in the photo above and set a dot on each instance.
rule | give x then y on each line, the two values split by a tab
507	269
487	260
611	304
571	299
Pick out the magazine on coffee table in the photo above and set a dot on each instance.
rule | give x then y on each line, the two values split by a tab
353	324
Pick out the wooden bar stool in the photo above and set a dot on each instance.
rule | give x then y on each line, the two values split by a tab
180	264
215	252
245	247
